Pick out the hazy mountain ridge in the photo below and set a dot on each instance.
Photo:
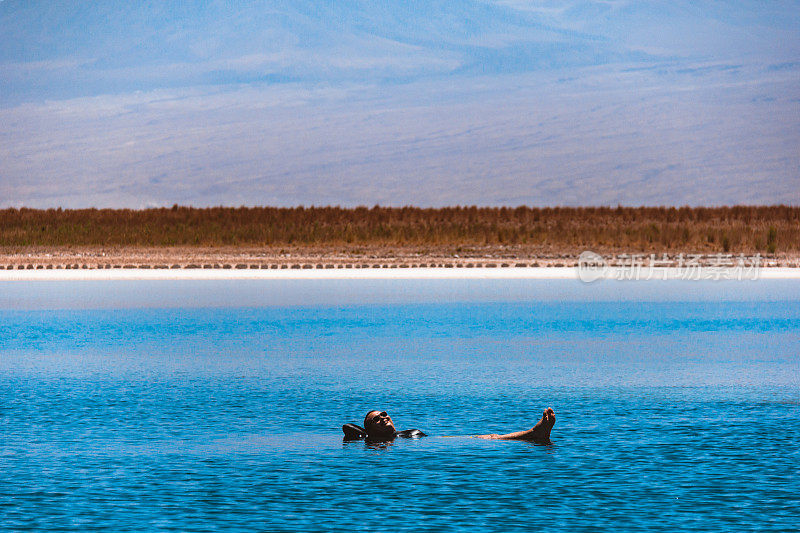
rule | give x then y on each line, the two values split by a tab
504	102
61	48
52	49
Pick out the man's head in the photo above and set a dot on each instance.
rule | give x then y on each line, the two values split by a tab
379	425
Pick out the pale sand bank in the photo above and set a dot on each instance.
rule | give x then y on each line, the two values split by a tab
543	273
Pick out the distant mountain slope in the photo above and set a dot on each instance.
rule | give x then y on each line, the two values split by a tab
59	48
438	102
64	48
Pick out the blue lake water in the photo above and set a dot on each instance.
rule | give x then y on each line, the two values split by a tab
217	406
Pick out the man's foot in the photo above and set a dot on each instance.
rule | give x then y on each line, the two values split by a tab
541	431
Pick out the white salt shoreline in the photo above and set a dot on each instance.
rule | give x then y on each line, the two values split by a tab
544	273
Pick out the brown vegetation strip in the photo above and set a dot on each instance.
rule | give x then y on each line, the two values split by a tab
738	229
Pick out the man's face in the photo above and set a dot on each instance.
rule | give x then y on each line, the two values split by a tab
379	423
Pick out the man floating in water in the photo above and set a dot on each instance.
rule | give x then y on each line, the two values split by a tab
378	427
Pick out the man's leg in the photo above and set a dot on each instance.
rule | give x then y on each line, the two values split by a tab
540	433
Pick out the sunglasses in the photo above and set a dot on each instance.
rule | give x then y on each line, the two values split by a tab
382	414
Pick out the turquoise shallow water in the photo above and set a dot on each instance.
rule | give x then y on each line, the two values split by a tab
674	412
